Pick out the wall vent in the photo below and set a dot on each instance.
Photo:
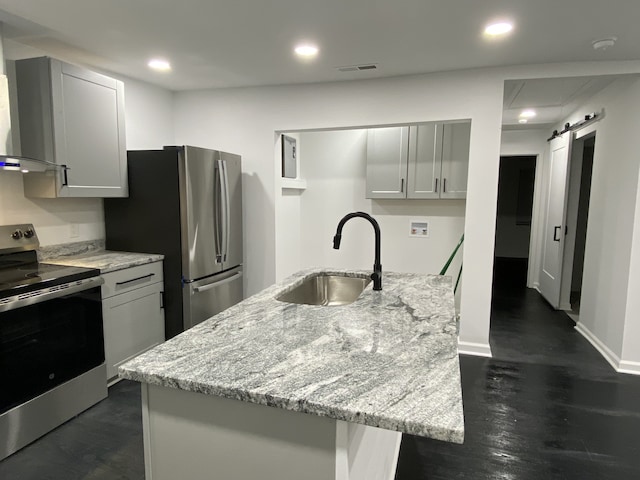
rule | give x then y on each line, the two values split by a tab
357	68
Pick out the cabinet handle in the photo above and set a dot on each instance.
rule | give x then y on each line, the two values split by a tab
402	185
436	186
161	299
444	185
556	238
135	279
65	179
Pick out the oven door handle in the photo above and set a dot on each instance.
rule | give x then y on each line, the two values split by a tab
50	293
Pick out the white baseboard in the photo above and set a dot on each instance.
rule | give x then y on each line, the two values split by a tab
477	349
536	287
627	366
605	351
620	366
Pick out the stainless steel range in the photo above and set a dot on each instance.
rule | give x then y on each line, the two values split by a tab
51	341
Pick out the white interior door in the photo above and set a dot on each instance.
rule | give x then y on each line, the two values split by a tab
553	243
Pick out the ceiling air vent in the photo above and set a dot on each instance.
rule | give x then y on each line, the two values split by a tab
357	68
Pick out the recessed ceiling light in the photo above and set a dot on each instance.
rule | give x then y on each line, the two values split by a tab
499	28
306	50
159	65
527	114
523	120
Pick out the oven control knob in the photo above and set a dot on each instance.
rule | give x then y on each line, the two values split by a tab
29	233
17	235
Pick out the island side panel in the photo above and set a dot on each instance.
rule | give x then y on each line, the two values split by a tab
194	436
366	453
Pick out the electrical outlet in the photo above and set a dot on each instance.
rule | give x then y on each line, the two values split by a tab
74	230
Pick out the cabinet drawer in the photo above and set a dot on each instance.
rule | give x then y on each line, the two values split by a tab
122	281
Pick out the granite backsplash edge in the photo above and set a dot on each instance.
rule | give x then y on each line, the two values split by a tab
46	252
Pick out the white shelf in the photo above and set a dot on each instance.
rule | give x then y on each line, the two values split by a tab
294	183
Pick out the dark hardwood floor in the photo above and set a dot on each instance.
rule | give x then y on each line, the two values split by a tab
546	406
102	443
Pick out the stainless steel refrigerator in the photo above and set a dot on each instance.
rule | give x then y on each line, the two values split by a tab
185	203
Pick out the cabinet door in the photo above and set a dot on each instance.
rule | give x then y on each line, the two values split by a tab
425	147
387	153
88	110
455	159
133	323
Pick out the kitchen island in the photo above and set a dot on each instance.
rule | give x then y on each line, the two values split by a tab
270	389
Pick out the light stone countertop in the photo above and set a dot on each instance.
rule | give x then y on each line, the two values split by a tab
104	260
388	360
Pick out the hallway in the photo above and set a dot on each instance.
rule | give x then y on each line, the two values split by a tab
546	406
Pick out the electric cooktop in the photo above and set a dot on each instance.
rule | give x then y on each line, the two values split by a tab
20	271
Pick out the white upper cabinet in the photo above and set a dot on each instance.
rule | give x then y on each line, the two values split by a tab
455	159
424	160
432	161
73	117
387	153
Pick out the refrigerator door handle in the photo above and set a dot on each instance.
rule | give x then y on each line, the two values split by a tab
217	284
218	199
226	227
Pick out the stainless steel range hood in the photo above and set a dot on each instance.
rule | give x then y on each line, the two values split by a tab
9	161
25	164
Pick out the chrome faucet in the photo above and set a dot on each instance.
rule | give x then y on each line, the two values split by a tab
376	276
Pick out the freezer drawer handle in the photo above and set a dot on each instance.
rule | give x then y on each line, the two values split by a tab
217	284
135	279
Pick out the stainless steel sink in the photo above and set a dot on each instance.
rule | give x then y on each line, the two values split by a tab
326	289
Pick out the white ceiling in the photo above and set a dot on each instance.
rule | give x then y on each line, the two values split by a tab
551	98
232	43
238	43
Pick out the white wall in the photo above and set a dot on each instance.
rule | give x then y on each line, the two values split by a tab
524	142
149	115
334	165
149	124
246	121
612	212
607	309
630	359
291	249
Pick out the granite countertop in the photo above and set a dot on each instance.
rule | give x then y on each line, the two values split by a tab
388	360
93	255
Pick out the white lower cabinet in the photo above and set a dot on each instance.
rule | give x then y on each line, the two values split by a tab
133	315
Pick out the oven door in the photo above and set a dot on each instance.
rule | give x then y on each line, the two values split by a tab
48	339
